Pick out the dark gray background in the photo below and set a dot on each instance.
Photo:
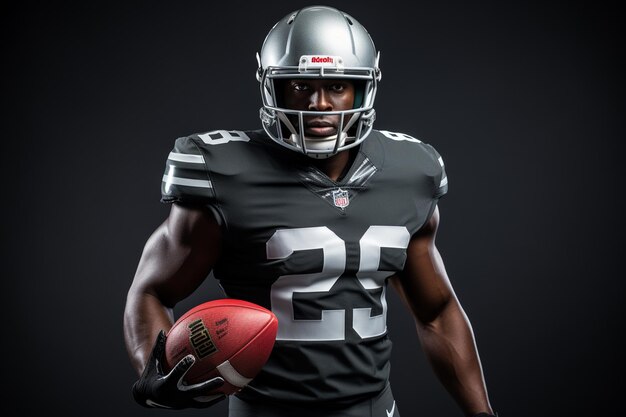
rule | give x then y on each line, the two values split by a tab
524	101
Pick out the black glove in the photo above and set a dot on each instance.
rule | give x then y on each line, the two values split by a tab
156	389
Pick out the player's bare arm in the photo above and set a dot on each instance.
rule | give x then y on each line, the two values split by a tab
176	259
443	328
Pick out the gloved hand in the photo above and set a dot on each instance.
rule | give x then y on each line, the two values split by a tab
156	389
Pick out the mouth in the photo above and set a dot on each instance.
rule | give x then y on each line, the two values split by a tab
320	127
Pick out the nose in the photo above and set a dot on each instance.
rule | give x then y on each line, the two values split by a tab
319	100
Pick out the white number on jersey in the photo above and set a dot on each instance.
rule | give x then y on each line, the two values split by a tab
399	136
331	326
219	137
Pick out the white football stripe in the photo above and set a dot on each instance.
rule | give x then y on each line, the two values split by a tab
443	182
168	180
183	157
231	375
440	161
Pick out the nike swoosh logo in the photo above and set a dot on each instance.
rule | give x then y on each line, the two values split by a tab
151	403
393	409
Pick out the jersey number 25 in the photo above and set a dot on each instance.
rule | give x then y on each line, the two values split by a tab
285	242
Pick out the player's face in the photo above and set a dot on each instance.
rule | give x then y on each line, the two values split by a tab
319	95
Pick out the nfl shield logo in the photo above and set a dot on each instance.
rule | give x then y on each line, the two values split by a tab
340	198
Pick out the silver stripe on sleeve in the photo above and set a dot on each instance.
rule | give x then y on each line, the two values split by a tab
171	180
183	157
444	180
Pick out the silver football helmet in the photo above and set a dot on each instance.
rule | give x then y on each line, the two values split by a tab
318	42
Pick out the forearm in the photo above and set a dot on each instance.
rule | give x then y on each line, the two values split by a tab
139	333
177	257
449	344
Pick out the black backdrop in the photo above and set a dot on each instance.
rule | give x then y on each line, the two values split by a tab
524	102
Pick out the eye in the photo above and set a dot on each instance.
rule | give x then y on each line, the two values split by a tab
299	86
338	87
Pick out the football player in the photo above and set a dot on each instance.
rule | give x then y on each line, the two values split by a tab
311	216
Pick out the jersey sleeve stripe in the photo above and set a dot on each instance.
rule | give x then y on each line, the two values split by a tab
186	177
172	180
186	170
444	180
182	157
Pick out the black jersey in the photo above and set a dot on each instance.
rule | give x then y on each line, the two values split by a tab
316	252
